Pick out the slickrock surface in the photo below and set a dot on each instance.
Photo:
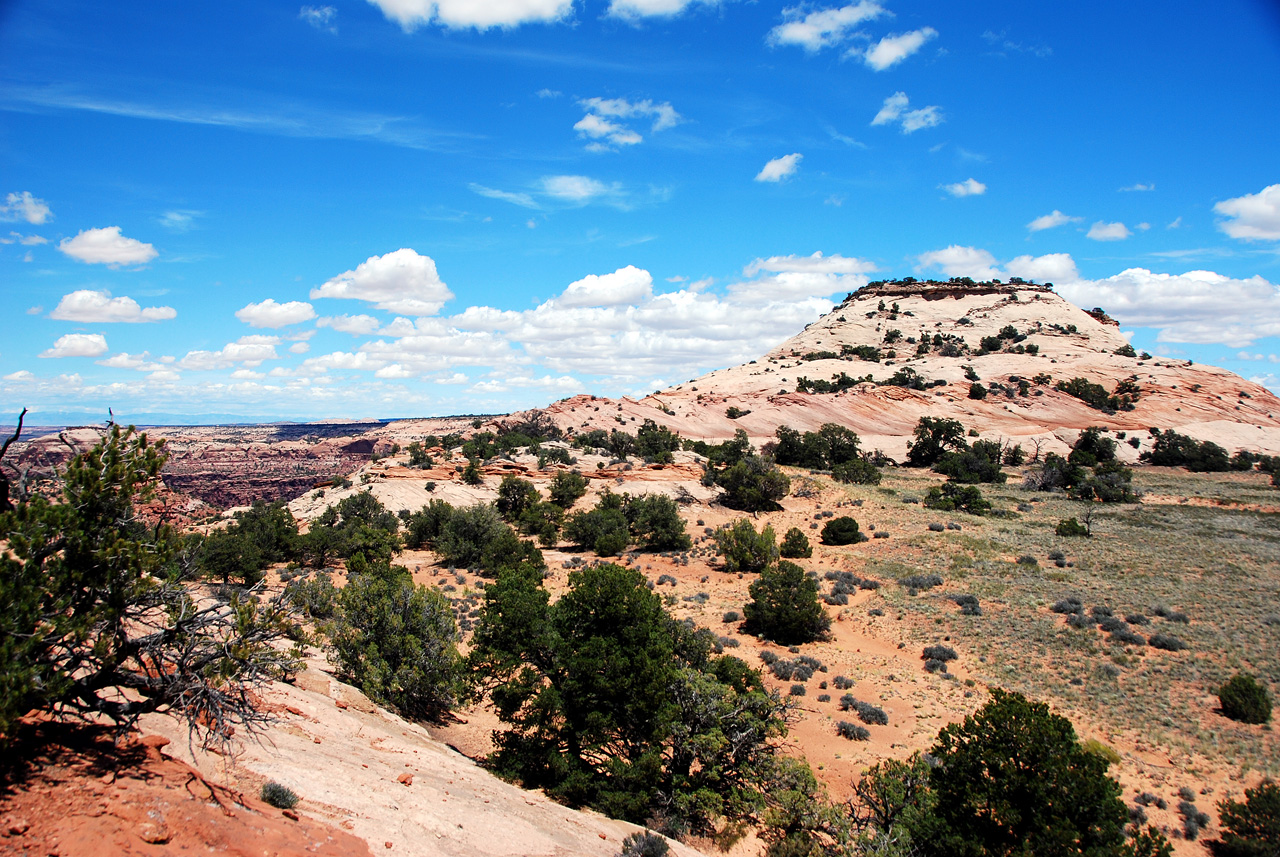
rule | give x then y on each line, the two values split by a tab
389	782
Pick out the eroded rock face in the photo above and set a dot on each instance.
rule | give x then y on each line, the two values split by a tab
1024	404
222	466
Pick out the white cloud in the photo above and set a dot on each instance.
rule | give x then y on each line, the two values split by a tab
599	122
77	345
320	17
25	240
356	325
634	10
299	348
20	375
892	50
98	306
137	362
178	220
249	350
480	14
624	286
23	206
821	28
597	127
1139	187
1052	221
549	93
968	187
800	277
107	247
1102	231
506	196
576	188
895	110
401	281
780	168
1196	306
957	261
268	313
1252	217
1049	268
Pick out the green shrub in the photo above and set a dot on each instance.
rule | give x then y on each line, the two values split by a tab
842	531
795	545
952	497
317	597
933	437
425	525
753	484
856	472
515	496
1245	699
654	523
397	642
784	606
745	550
468	532
281	797
1071	527
977	391
603	529
1251	828
1012	779
567	487
1176	450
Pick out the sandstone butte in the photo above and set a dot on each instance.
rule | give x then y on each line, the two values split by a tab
1205	402
373	783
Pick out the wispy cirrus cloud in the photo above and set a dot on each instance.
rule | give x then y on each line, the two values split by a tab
284	119
1052	220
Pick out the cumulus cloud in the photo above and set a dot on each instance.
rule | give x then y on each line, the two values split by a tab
98	306
23	206
968	187
1102	231
624	286
268	313
356	325
107	247
1051	221
957	261
20	375
780	168
895	110
800	277
1252	217
320	17
635	10
401	281
1196	306
822	28
480	14
249	350
892	50
1049	268
77	345
137	362
599	124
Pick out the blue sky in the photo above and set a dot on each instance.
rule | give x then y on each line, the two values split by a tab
416	207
